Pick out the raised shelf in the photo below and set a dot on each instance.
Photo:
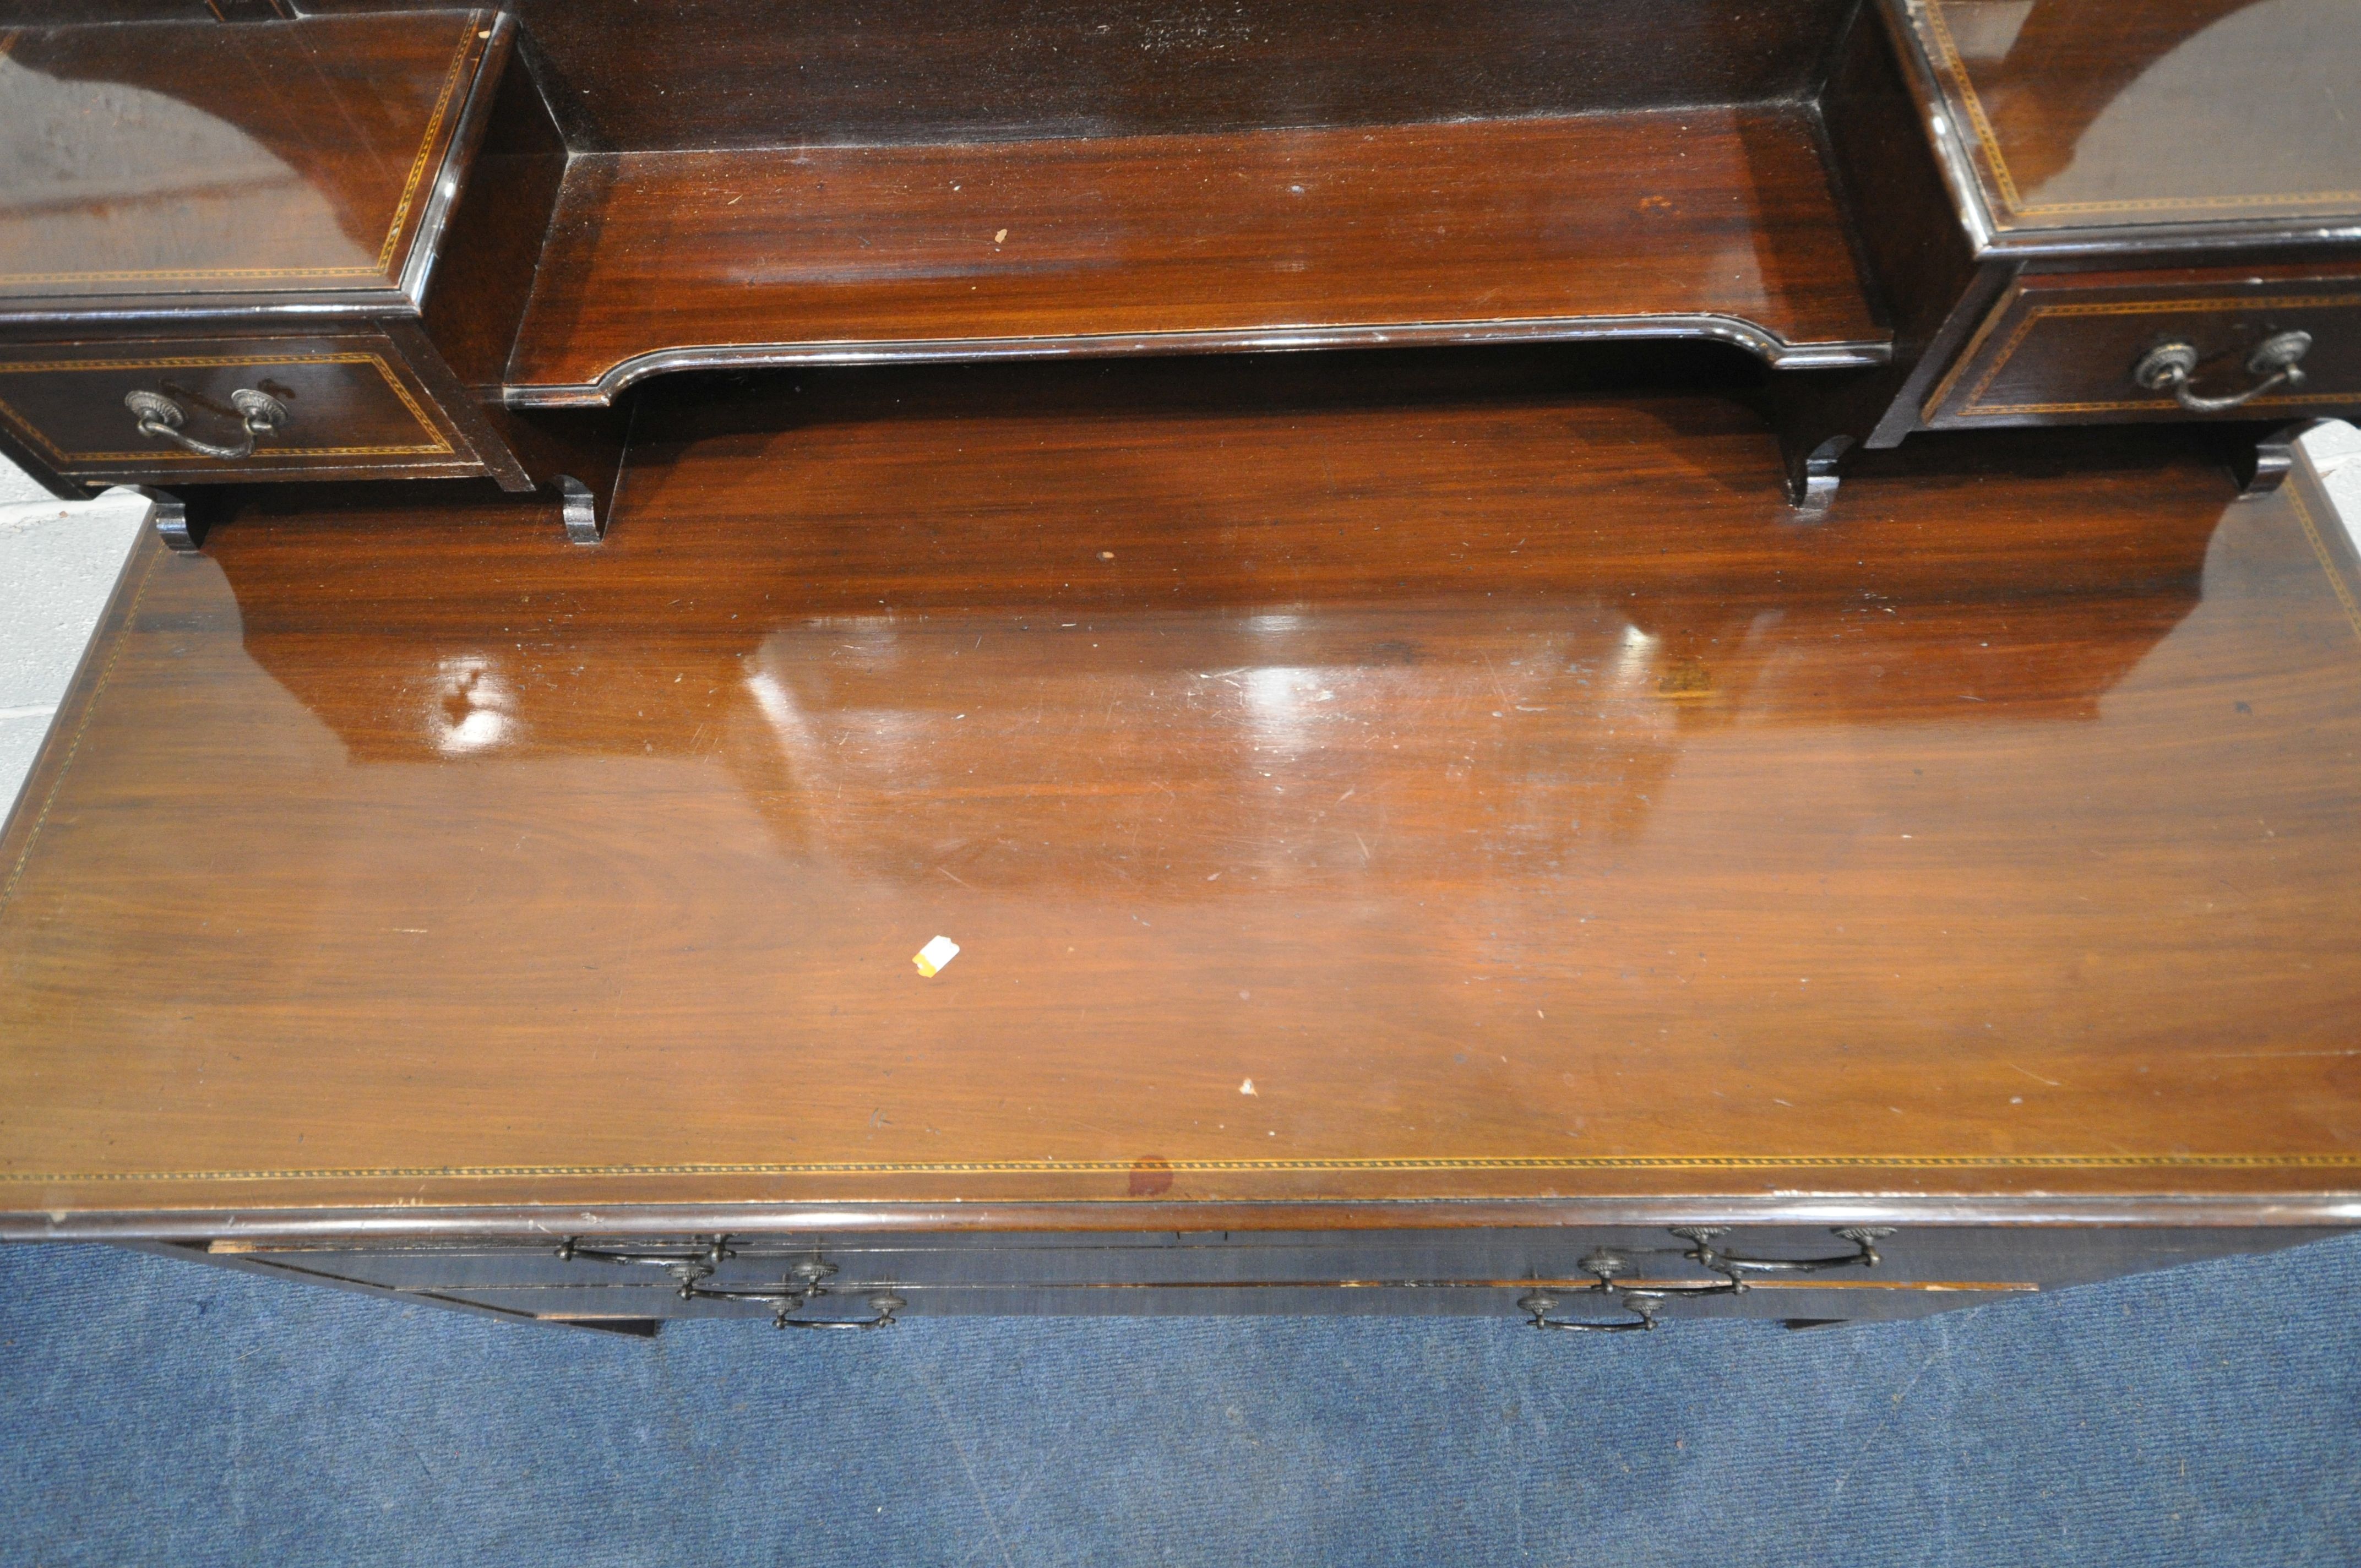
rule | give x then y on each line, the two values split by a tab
1717	222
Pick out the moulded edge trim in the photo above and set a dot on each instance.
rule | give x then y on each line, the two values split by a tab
1757	340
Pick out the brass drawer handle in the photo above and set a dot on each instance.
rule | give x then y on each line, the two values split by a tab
160	416
1642	1304
884	1304
687	1267
2169	365
690	1268
1735	1269
805	1282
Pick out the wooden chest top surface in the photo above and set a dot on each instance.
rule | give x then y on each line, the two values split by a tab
2078	117
149	160
1352	794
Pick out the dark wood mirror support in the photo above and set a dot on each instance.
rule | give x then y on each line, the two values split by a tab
455	240
2049	195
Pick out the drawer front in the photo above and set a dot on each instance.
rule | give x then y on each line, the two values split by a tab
1189	1261
1917	1268
343	406
1575	1300
2063	350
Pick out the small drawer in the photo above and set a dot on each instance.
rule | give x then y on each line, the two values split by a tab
177	412
2068	349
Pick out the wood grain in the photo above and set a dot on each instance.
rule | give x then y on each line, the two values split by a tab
1540	227
1404	790
703	74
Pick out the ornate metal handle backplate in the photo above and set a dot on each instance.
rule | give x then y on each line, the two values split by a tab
2169	365
160	416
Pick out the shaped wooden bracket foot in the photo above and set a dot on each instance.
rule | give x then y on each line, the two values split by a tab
2263	468
168	512
586	520
574	456
1812	475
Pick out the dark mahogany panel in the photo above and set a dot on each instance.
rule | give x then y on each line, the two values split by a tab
720	73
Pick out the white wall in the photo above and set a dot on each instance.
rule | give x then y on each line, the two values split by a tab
57	564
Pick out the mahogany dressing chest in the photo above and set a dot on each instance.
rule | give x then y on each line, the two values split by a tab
1303	542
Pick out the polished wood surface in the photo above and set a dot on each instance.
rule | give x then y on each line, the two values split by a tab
491	243
636	189
1431	781
2080	117
147	161
2062	346
1919	258
1524	228
704	74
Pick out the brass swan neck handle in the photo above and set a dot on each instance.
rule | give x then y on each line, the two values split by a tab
160	417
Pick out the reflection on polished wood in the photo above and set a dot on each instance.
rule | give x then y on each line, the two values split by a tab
147	158
2170	111
1413	792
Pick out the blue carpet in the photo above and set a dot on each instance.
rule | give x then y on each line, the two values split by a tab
163	1412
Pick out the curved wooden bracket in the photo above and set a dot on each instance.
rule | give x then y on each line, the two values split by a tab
580	510
1812	473
2263	468
168	512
